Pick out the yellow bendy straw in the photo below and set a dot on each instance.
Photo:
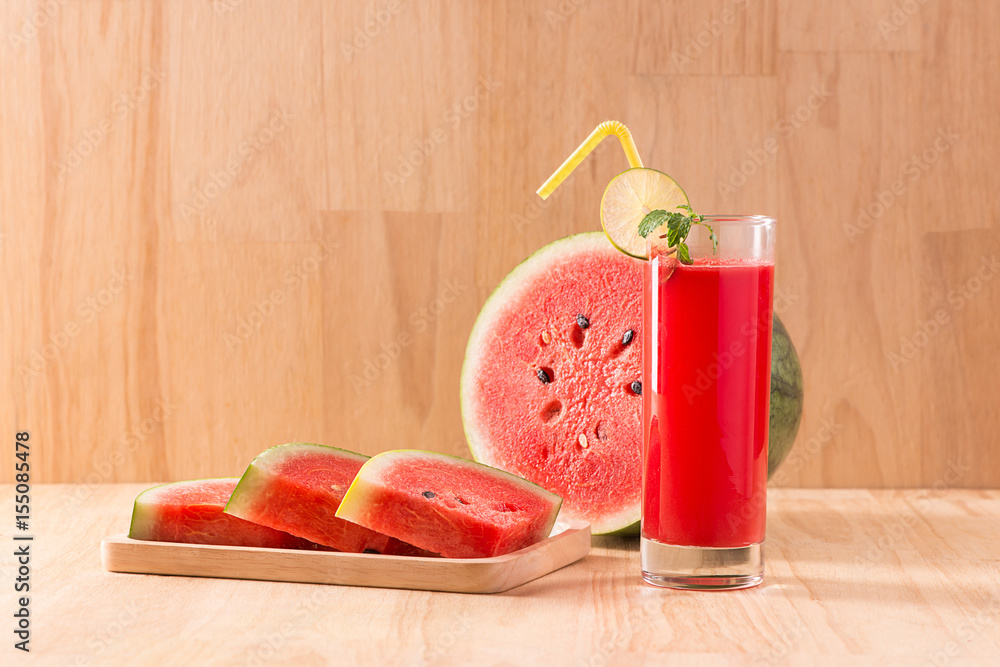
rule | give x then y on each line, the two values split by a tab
605	129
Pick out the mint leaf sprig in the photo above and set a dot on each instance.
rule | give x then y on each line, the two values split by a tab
678	228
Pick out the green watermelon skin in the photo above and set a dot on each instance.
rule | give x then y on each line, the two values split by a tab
786	397
614	289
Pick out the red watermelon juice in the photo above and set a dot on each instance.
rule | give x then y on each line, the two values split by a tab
706	404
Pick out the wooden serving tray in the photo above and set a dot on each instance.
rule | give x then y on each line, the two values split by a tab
568	543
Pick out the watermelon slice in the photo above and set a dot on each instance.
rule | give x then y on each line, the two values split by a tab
297	488
191	512
449	505
551	384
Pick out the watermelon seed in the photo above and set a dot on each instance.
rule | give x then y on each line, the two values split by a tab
551	411
583	440
545	375
428	494
600	431
627	338
546	338
460	501
369	551
582	321
636	388
506	507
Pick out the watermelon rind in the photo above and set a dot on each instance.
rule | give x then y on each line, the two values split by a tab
786	396
256	475
376	463
144	508
623	523
357	496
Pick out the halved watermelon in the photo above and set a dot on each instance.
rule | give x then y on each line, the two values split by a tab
548	384
449	505
551	384
298	487
191	512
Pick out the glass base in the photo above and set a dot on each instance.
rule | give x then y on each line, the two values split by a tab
701	568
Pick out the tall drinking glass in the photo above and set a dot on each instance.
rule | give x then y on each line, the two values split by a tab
706	381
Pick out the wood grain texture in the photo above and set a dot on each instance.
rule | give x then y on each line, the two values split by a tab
853	577
853	25
227	224
569	543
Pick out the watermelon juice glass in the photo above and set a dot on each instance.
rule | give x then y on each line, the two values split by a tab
706	399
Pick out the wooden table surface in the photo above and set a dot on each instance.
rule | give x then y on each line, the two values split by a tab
853	577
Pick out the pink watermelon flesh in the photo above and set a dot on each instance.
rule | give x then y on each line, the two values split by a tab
448	505
547	385
191	512
297	488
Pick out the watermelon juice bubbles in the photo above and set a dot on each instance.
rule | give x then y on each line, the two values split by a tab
706	403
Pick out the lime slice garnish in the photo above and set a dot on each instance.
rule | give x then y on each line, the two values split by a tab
628	198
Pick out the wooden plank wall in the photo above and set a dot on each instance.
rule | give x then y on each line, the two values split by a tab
221	217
